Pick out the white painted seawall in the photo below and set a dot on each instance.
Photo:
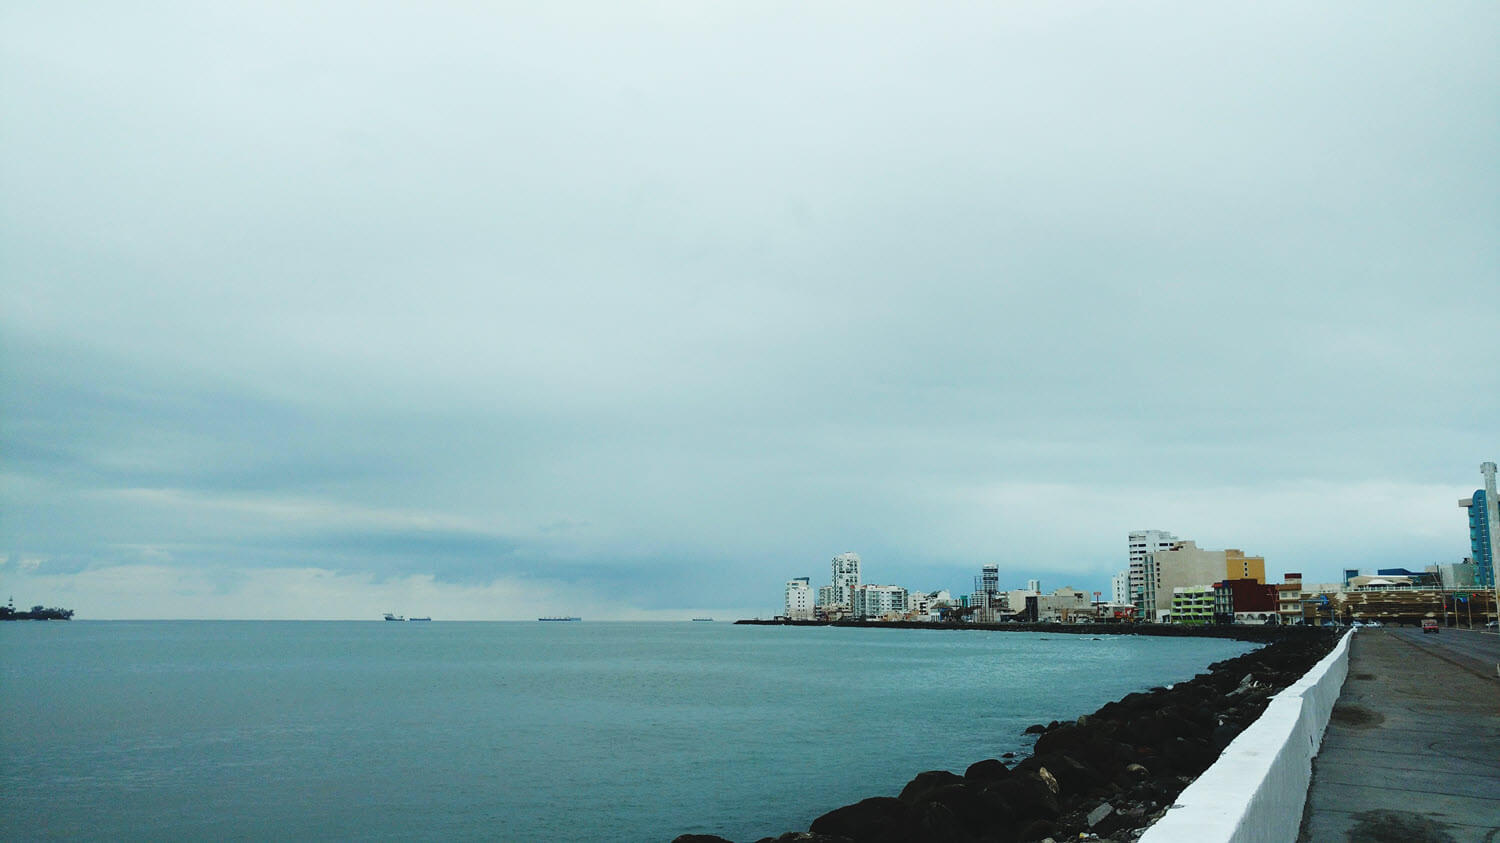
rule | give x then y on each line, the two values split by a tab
1256	790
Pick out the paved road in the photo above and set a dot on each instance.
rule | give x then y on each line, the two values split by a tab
1412	752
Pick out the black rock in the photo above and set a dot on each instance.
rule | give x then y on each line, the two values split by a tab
1027	794
1037	830
927	781
965	804
990	769
879	819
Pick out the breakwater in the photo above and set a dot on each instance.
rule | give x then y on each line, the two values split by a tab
1110	773
1257	789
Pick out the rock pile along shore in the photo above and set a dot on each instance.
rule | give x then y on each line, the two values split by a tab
1107	775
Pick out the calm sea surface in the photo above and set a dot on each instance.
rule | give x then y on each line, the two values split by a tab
516	731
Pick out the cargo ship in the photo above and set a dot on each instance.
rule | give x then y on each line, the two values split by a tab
559	619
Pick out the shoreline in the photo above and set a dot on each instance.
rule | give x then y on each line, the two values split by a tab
1110	774
1238	632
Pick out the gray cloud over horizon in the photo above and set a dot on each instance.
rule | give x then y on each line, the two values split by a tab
664	304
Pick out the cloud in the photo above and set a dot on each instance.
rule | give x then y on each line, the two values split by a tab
677	302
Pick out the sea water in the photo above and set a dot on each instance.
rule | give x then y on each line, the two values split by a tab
517	731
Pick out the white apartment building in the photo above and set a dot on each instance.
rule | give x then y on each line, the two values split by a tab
799	601
845	577
1141	544
927	602
1120	589
877	601
825	595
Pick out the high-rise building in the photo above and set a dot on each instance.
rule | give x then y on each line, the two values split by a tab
799	601
990	579
1120	589
1141	543
1034	586
825	595
987	599
1483	527
845	577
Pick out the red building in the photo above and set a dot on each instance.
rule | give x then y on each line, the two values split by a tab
1238	597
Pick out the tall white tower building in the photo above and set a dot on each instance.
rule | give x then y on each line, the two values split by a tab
799	599
1120	588
1143	542
845	577
990	579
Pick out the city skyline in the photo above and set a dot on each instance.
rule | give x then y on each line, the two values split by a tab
636	312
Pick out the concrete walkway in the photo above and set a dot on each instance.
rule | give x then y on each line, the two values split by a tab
1412	752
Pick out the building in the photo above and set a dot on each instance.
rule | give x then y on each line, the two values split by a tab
877	601
1142	543
1185	564
1014	603
987	601
989	579
1289	597
1034	586
1456	575
1245	601
1065	605
1483	527
929	603
1193	604
1120	589
799	599
1240	566
825	596
845	577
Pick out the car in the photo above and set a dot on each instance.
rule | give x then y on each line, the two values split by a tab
1492	624
1429	625
1372	623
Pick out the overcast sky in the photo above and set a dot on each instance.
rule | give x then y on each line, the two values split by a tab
639	309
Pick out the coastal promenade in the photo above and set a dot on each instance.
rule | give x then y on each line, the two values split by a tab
1412	751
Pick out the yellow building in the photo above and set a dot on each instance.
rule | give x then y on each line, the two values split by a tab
1238	566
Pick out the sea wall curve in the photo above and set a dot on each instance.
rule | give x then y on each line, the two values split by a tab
1255	792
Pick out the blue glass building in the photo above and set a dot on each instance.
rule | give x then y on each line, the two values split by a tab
1479	539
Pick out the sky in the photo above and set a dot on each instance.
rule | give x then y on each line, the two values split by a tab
636	310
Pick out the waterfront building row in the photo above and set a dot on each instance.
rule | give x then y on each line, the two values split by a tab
846	596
